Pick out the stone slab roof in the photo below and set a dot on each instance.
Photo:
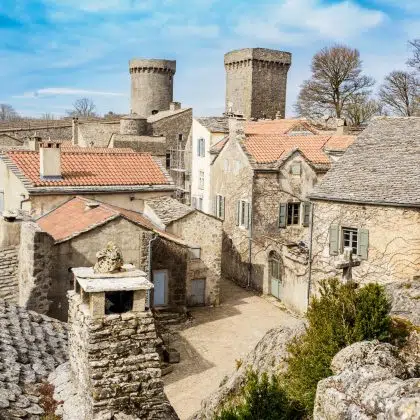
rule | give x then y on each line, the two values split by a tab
165	114
381	167
93	170
97	132
168	209
215	124
79	215
31	347
156	145
67	146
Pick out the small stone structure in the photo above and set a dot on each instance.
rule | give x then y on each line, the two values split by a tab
110	259
112	343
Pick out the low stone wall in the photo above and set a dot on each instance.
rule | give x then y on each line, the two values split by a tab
35	268
9	290
115	363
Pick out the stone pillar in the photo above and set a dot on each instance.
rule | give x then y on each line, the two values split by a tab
114	362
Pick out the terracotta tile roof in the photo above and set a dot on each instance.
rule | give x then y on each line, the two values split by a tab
92	169
277	127
217	147
80	215
265	149
339	142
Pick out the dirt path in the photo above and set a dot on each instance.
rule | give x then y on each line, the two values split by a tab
216	339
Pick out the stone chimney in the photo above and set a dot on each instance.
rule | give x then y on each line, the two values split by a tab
279	115
49	160
174	106
75	131
341	127
115	367
236	126
33	142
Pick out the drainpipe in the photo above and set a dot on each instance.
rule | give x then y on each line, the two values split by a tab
250	231
311	229
149	264
24	200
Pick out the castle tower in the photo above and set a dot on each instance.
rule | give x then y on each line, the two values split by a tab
151	85
115	367
256	81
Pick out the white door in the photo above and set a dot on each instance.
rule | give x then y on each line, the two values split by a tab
160	291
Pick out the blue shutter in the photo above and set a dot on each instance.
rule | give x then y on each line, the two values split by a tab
198	147
306	213
334	239
282	215
362	243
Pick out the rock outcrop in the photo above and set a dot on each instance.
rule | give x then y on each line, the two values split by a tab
371	381
269	356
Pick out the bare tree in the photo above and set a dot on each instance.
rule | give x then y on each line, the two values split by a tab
414	61
83	107
361	108
400	93
336	77
47	116
8	113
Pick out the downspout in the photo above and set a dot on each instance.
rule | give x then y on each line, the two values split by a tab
251	216
311	229
24	200
149	263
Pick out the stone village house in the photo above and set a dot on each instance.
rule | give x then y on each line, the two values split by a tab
370	202
261	181
122	196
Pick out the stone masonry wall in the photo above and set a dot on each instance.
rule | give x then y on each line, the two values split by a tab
9	289
394	241
35	268
115	363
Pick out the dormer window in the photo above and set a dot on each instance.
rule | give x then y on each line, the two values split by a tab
296	168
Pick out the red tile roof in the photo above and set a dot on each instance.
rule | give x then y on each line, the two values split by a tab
272	148
93	169
217	147
81	214
277	126
339	142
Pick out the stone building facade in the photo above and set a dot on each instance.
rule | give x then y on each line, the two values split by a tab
260	184
256	80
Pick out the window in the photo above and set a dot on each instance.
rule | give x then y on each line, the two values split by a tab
293	213
180	137
200	203
295	169
201	180
243	215
350	239
201	145
345	237
220	206
194	202
168	160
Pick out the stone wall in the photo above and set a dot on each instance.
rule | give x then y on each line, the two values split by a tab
9	289
35	269
115	363
55	131
394	241
203	230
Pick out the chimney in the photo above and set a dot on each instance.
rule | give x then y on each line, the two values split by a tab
75	131
279	116
33	143
341	127
236	125
49	160
174	106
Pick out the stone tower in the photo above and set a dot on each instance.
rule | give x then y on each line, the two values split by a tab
256	81
115	367
151	85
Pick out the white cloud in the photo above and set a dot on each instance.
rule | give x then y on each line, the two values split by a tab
200	31
66	91
298	22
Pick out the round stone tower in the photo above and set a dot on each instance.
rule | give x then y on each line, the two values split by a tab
256	81
151	85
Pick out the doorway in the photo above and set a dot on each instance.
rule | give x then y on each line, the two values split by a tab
274	271
198	288
160	291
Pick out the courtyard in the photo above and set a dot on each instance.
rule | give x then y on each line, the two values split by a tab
214	340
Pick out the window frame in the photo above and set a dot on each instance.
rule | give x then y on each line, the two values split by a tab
220	206
243	213
201	180
293	219
352	243
201	147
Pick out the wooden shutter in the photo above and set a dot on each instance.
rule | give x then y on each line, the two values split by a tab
306	213
334	239
246	216
222	205
238	212
198	147
362	243
282	215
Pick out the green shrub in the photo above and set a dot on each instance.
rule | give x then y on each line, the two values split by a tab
261	398
340	316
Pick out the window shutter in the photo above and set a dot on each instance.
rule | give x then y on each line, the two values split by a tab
282	215
246	216
238	212
334	239
306	213
363	243
194	202
203	148
222	205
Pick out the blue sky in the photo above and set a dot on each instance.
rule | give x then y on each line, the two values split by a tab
55	51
